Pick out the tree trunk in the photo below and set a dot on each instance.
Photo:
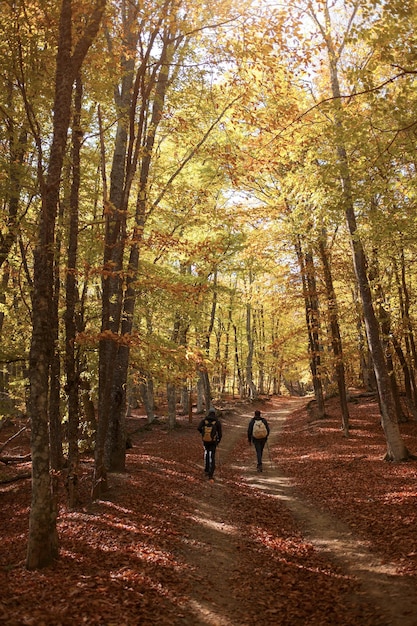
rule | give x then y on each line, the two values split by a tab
89	412
205	386
17	141
203	372
335	333
185	399
115	443
200	394
43	537
172	405
54	410
225	361
261	349
385	325
147	395
253	392
112	282
410	346
407	378
278	359
237	362
125	300
396	450
72	371
366	370
308	279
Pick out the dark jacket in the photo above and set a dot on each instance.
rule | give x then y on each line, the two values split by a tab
251	425
217	426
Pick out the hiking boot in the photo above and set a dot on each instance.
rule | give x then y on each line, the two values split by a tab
259	468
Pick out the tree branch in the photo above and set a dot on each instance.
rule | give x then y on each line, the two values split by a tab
12	437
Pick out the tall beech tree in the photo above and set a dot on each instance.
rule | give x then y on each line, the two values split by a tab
115	211
144	88
162	39
396	449
72	367
71	53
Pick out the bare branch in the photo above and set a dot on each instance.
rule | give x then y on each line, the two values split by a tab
11	438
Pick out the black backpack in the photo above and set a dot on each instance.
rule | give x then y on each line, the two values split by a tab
209	431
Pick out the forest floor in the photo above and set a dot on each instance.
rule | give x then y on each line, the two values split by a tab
326	535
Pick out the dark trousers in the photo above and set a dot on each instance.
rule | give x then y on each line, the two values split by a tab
259	447
210	458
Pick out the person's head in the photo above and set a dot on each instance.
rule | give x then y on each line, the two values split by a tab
257	414
212	412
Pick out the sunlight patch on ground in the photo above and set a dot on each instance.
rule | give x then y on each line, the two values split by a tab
398	497
323	532
114	506
208	616
355	551
274	485
220	527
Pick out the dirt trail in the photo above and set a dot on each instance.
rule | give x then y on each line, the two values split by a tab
395	597
212	545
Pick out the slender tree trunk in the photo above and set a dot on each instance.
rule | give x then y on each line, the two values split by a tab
115	445
308	279
366	371
17	141
89	413
115	442
54	410
225	360
203	372
237	362
205	386
396	450
200	395
407	378
278	359
147	395
43	536
184	399
5	275
410	347
112	282
261	349
253	391
385	324
172	405
335	333
72	373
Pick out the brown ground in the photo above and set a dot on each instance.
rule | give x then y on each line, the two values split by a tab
326	535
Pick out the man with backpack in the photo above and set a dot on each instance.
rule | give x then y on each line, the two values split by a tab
211	431
258	433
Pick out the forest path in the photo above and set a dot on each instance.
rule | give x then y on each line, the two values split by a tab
393	595
214	548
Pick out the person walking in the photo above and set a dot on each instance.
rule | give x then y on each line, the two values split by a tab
258	433
211	431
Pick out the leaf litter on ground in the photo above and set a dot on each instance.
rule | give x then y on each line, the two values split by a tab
166	547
